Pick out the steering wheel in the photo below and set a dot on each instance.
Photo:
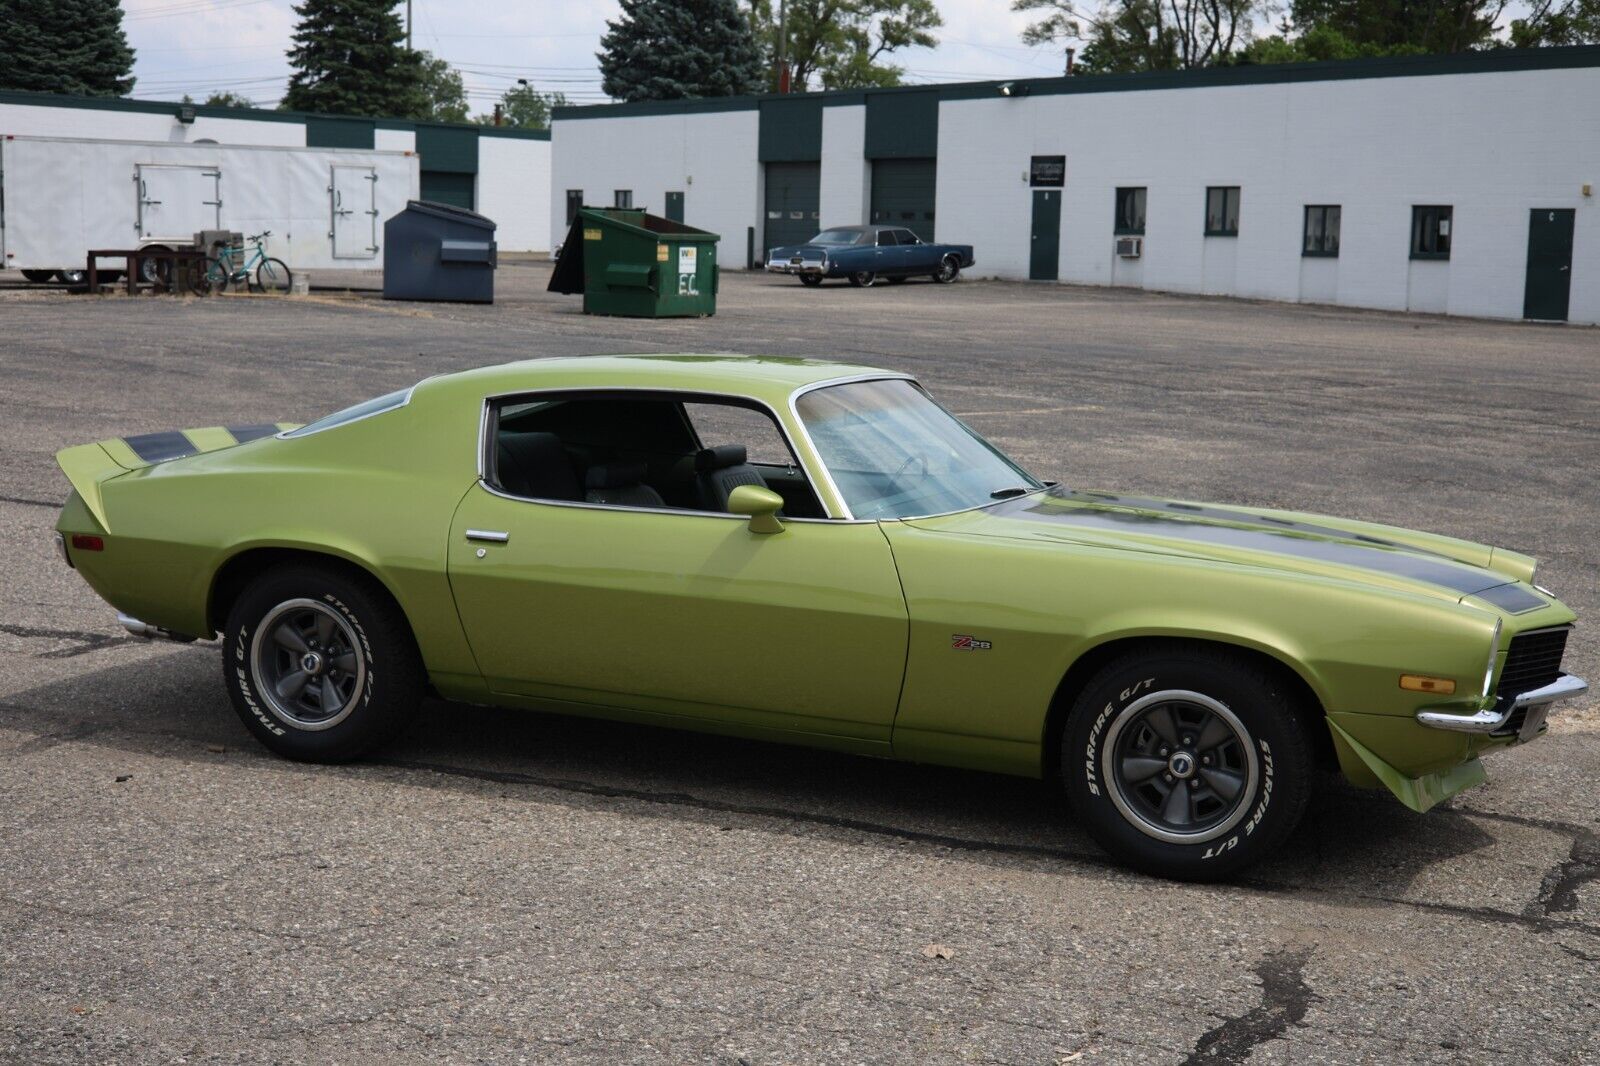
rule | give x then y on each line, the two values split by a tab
905	466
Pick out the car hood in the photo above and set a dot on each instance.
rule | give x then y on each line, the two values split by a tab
1385	556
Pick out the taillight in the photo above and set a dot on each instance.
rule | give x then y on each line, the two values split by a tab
88	542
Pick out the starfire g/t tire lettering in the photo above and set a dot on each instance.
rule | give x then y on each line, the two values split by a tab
319	664
1187	762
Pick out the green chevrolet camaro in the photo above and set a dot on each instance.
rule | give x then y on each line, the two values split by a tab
821	554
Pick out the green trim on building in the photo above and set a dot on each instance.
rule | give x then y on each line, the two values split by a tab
1497	61
791	129
902	125
255	114
331	132
448	149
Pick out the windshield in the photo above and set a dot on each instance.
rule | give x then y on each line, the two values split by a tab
837	236
894	453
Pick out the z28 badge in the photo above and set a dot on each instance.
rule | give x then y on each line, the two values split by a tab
965	643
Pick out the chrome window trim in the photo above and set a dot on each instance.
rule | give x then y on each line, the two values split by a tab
306	431
800	424
746	400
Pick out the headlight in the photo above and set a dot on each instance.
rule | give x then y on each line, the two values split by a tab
1494	653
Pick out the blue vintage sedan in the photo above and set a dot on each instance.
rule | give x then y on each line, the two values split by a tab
865	253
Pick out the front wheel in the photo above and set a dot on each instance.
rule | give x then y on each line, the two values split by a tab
811	281
863	278
154	271
320	664
1187	763
949	268
272	277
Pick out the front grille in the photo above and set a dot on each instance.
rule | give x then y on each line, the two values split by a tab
1533	661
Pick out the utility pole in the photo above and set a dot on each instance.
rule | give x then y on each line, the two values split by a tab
783	46
1070	53
408	25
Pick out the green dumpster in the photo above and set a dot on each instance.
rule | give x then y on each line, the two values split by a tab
627	262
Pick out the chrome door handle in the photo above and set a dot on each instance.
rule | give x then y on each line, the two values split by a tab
494	535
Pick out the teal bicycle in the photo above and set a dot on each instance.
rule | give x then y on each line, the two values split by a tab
270	275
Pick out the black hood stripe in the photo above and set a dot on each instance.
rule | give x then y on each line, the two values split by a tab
1201	525
159	447
1513	598
243	434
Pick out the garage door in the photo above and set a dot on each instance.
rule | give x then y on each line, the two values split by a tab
793	215
902	194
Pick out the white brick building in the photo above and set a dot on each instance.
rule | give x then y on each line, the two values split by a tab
1455	184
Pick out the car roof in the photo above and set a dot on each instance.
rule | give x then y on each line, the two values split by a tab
768	378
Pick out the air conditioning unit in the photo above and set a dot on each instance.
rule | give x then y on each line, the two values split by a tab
1130	247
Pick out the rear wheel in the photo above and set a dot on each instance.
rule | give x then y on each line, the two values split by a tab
949	268
320	664
40	276
862	278
810	281
78	277
272	277
217	275
1188	763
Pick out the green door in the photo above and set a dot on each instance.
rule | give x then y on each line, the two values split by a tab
793	204
682	613
902	194
1044	256
675	206
1549	264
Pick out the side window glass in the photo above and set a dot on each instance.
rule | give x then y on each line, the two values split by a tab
717	424
885	238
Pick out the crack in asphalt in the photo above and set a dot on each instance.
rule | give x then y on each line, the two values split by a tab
1285	999
1537	922
24	501
84	640
1559	891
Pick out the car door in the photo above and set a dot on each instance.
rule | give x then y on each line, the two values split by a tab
891	257
682	612
915	256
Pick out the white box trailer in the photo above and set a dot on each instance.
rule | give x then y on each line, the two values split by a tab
61	196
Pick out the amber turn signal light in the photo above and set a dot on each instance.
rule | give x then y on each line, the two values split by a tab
1439	686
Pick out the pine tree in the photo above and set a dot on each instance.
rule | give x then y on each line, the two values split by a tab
349	58
671	49
64	46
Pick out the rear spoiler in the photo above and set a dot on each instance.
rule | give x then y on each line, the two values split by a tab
88	466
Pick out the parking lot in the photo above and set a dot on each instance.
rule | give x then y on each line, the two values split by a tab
504	887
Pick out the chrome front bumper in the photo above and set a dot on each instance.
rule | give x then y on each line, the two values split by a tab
789	266
1496	721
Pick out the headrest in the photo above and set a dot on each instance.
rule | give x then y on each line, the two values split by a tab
719	458
615	475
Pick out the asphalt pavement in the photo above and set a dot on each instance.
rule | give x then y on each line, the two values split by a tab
507	887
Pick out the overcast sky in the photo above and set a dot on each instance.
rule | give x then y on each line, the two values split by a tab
197	46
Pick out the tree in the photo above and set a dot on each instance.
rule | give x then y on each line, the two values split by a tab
443	93
671	49
349	58
224	98
1431	26
1550	23
844	44
526	108
64	46
1134	35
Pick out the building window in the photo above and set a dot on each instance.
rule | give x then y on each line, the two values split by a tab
1222	211
1430	232
1322	231
622	198
574	201
1130	211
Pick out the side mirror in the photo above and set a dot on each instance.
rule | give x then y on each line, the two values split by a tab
762	505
